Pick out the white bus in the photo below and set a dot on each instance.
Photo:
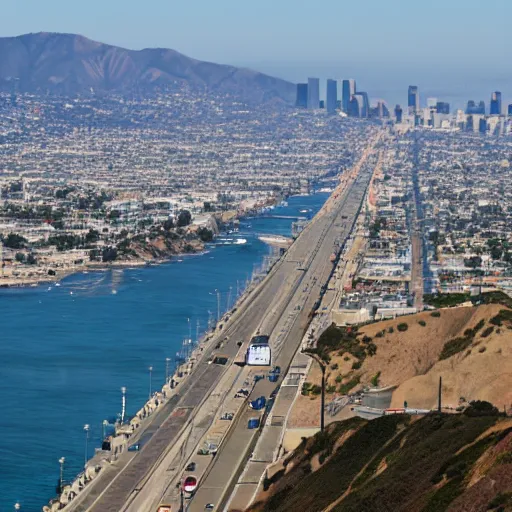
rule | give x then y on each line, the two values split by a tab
258	353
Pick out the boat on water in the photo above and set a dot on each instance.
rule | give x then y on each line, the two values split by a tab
276	240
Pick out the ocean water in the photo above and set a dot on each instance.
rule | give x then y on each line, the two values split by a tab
65	351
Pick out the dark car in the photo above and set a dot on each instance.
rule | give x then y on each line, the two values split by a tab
191	467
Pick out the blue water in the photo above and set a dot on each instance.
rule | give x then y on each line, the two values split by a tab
66	351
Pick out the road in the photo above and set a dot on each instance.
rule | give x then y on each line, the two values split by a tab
279	306
286	335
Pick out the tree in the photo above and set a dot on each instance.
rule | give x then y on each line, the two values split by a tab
31	259
14	241
19	257
184	218
205	234
109	254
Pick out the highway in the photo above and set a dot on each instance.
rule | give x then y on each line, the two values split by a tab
280	306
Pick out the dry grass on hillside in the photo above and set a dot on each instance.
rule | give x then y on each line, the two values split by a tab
476	366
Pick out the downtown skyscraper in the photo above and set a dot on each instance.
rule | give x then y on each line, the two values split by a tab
495	109
413	99
313	93
302	96
348	90
332	96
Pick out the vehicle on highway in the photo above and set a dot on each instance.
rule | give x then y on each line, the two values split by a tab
191	467
227	416
164	508
253	423
209	506
134	447
258	404
258	352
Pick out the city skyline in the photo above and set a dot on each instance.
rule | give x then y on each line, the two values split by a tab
398	44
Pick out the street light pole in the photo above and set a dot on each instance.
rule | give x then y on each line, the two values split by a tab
323	368
61	462
104	430
86	429
123	403
150	377
167	362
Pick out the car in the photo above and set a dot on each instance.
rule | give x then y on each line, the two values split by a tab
134	447
191	467
209	506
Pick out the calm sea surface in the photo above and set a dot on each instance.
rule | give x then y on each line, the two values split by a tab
65	351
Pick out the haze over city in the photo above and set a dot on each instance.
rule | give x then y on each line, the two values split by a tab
457	49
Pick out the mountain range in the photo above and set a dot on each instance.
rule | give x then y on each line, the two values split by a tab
72	64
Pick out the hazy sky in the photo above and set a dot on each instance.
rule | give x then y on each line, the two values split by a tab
448	47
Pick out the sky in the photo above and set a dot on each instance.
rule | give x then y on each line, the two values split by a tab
449	48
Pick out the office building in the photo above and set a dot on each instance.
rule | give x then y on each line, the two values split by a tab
348	90
510	110
495	109
398	113
359	105
313	93
473	108
302	96
413	99
332	96
442	107
431	102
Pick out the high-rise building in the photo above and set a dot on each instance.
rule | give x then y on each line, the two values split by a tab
510	110
495	103
413	99
398	113
332	96
473	108
313	93
431	102
359	105
348	90
442	107
302	96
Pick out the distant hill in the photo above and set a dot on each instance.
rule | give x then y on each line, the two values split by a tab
71	64
441	462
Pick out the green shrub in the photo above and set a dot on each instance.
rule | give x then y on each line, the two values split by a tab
402	327
375	380
352	383
338	379
356	365
454	346
391	330
422	323
487	332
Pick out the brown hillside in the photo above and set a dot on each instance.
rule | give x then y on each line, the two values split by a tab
479	369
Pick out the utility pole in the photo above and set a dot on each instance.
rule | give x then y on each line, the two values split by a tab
440	393
323	368
150	378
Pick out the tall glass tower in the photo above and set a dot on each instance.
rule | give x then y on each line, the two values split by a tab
332	96
413	99
348	90
302	95
495	103
313	93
